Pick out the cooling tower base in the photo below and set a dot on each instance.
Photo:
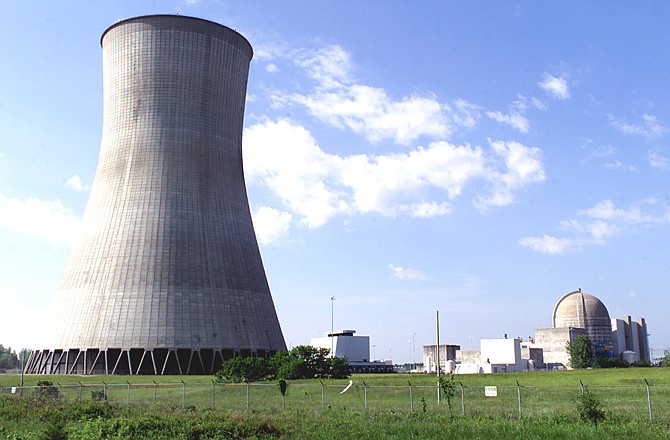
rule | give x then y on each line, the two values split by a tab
164	361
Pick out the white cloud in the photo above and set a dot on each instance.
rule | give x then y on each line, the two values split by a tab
514	120
271	68
555	86
271	224
368	111
516	116
522	166
315	186
76	184
406	274
604	221
618	165
49	220
650	127
548	244
657	161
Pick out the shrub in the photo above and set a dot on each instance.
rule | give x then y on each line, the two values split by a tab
603	362
590	408
45	389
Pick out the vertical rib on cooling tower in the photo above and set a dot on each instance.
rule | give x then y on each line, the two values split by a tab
167	277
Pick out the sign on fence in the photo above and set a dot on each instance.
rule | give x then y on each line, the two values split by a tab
491	391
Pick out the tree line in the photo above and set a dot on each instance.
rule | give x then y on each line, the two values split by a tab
9	360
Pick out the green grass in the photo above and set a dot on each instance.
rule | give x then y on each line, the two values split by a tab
154	410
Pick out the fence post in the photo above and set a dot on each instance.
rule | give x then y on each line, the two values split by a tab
248	398
323	396
518	394
581	385
411	401
104	390
462	397
81	386
128	401
155	386
59	394
183	394
213	394
366	395
649	400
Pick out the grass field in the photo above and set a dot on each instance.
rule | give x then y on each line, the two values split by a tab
542	405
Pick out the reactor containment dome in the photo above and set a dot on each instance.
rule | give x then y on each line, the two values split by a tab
581	310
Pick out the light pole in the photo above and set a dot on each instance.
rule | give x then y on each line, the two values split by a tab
332	326
413	353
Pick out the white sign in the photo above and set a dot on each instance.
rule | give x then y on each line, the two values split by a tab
491	391
13	390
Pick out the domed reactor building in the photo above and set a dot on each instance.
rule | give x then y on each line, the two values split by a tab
167	276
584	311
578	313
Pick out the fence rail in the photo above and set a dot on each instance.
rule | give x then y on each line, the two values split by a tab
639	401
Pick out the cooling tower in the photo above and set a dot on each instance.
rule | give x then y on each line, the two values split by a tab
167	276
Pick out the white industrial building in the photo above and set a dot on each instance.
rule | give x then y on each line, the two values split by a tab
356	349
496	356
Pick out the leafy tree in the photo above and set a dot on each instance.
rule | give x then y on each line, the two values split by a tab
302	362
665	360
580	352
339	368
247	369
8	358
314	361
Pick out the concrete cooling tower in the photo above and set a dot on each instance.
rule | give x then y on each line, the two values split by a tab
167	276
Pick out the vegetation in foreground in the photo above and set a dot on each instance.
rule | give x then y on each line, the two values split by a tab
38	418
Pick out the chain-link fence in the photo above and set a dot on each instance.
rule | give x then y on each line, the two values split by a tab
638	401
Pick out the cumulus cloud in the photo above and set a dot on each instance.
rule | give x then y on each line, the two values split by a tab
598	224
314	186
657	161
518	166
271	224
649	127
369	111
406	274
49	220
555	86
76	184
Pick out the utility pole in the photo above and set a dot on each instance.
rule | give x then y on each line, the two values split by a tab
437	329
332	326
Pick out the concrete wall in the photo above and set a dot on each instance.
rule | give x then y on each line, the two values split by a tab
552	341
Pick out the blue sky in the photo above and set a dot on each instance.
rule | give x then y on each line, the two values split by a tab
477	158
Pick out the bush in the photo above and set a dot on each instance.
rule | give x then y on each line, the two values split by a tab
46	390
603	362
590	408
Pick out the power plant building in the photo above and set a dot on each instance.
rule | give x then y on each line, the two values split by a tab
167	276
577	313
